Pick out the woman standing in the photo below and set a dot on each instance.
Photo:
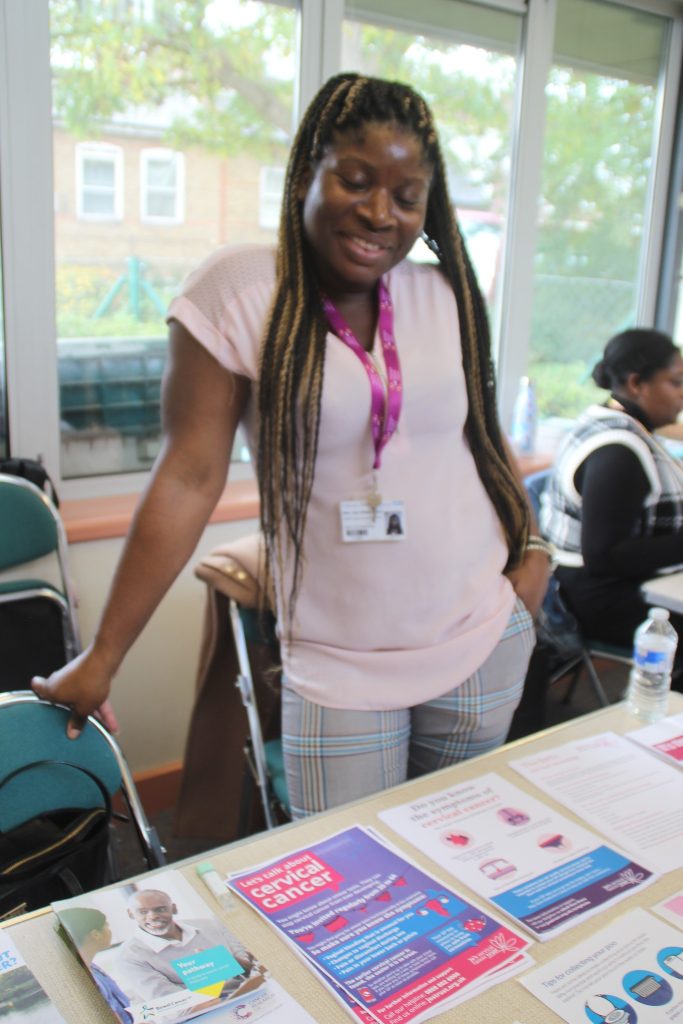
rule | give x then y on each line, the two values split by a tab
614	507
365	386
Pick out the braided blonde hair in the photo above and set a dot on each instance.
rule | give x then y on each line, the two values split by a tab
293	349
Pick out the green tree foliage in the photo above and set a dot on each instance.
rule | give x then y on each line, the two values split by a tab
222	81
598	156
222	74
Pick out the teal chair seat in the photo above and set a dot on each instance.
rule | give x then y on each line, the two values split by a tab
32	730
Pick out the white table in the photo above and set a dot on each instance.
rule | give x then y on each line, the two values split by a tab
665	591
79	1002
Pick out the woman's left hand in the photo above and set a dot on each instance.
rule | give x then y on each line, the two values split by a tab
530	579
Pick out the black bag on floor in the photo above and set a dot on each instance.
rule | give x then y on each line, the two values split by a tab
55	855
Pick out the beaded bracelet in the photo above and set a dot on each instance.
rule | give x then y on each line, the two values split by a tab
536	543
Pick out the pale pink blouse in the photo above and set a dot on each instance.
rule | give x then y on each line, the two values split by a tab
377	625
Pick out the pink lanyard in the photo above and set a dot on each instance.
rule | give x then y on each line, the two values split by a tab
385	411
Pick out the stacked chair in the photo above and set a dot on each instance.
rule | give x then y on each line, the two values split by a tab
38	622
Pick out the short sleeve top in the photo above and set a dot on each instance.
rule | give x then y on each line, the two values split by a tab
389	624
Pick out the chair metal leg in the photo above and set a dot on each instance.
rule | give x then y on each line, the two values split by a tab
245	685
595	680
573	682
153	851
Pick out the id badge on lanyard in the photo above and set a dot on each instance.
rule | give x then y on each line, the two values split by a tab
372	518
360	522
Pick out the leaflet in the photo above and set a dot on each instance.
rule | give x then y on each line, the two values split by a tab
664	738
156	951
394	939
542	869
672	909
618	788
630	971
22	998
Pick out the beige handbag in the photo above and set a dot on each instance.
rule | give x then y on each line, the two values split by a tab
236	569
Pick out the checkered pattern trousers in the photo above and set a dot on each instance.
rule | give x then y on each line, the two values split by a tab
333	756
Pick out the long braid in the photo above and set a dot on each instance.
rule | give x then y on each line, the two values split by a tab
293	351
484	434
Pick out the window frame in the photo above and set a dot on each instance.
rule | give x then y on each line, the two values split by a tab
147	155
99	151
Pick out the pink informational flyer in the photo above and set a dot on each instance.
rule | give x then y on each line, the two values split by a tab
618	787
664	738
540	867
672	909
398	942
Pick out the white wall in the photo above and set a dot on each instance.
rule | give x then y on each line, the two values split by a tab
153	691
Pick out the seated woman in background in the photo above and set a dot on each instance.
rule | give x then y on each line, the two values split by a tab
614	504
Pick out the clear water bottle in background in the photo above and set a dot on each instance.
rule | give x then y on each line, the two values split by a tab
524	418
654	647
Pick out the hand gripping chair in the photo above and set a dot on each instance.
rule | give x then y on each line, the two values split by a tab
31	528
240	647
571	652
33	730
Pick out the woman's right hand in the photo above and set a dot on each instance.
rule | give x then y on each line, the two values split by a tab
83	685
202	404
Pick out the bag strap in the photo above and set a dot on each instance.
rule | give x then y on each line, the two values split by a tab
64	764
34	471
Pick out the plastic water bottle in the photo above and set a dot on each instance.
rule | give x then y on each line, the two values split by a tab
654	647
524	418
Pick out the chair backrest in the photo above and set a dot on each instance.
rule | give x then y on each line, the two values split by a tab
535	485
29	522
556	626
33	730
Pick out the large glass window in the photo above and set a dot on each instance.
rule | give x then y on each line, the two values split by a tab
602	123
164	114
463	59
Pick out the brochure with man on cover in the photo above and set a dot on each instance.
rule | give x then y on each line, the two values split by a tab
156	951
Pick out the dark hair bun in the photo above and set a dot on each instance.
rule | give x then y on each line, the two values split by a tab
600	375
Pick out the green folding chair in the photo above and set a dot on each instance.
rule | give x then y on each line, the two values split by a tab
78	773
31	529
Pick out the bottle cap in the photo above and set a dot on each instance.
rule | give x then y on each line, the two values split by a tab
660	614
203	867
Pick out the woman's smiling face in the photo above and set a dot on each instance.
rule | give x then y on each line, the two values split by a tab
364	205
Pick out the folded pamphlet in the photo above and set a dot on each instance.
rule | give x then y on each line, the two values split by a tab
157	952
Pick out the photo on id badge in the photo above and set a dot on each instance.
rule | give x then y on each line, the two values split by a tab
362	521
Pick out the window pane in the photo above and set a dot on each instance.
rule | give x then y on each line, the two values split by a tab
226	105
98	172
601	130
4	439
161	173
464	61
101	203
160	205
